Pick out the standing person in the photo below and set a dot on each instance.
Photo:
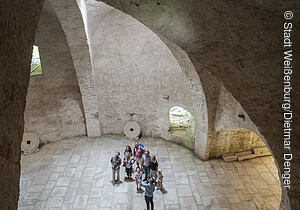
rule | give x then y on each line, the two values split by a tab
149	189
115	164
159	180
138	151
138	177
128	151
153	166
127	163
145	164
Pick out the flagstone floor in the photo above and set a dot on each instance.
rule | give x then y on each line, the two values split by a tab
76	174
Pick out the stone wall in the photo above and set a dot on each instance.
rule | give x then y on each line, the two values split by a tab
236	42
199	99
18	20
72	24
240	44
234	131
231	140
135	72
230	113
54	108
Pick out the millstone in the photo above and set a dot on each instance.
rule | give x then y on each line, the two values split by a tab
132	129
30	142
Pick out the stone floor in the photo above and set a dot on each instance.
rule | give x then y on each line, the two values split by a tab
76	174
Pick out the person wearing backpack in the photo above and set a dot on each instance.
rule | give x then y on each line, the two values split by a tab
138	151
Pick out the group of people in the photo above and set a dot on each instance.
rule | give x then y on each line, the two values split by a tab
146	164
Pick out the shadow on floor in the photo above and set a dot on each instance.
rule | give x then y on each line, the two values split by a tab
117	183
140	191
129	179
164	191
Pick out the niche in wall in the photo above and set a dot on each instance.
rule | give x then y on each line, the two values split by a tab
182	124
232	140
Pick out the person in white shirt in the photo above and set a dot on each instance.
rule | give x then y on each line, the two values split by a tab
138	176
127	163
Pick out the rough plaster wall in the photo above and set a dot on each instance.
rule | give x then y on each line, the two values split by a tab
18	21
139	71
239	43
211	87
264	18
225	140
72	24
227	113
199	99
54	108
228	140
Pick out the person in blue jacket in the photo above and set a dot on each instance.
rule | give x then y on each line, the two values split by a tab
149	189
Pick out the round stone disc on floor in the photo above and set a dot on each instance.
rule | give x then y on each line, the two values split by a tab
30	142
132	129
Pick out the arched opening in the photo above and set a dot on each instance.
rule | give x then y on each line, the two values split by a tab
250	165
54	109
182	125
131	67
266	97
233	140
242	89
207	175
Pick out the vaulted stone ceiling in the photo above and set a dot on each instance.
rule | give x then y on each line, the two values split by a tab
239	44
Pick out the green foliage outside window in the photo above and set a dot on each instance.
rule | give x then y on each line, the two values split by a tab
181	123
36	67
